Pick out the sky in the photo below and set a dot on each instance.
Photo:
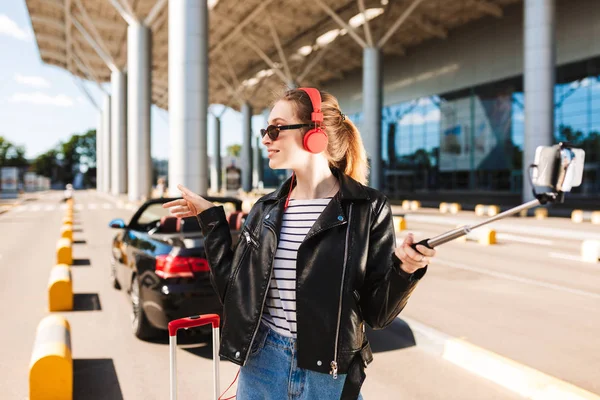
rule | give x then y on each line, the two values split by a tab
42	105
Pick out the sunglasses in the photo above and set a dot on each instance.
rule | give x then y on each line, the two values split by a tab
273	130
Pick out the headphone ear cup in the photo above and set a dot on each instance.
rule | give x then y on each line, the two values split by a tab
315	141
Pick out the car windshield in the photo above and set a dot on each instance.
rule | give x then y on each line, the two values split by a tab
152	213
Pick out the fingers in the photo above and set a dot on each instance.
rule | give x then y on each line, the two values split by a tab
412	253
412	259
426	251
178	202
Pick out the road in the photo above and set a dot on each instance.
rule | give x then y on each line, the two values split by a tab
486	294
527	298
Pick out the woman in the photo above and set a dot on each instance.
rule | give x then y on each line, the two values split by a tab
316	260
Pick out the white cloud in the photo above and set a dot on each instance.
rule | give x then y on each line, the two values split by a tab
9	27
40	98
416	118
35	81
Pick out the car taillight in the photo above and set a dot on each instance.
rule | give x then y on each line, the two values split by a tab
168	266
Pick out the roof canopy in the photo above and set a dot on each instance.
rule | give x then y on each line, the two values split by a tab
255	45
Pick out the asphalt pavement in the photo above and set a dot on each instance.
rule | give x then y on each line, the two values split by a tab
512	298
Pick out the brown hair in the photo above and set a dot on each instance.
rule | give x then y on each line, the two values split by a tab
345	148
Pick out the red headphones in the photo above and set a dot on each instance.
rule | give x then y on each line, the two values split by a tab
315	140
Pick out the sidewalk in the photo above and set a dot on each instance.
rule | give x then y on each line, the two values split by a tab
521	379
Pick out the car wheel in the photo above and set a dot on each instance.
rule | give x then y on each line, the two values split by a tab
139	322
113	275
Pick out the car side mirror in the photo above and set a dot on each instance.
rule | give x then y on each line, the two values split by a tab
117	224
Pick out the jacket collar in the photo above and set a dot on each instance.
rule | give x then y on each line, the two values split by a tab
349	188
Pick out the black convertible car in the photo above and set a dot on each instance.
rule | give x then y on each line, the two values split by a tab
159	261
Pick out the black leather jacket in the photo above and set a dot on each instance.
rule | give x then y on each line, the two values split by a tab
347	275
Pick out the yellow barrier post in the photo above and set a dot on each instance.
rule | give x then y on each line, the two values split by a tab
443	208
66	232
479	210
493	211
579	216
541	213
51	365
487	236
64	252
60	289
399	224
67	221
455	208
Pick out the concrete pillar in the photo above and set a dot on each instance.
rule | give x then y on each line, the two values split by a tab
246	147
372	99
99	155
539	78
118	129
216	180
188	95
139	91
106	147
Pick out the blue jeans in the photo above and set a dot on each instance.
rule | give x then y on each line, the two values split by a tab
272	373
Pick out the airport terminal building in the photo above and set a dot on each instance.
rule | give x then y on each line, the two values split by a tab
452	97
453	125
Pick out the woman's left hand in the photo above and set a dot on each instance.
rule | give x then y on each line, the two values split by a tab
413	260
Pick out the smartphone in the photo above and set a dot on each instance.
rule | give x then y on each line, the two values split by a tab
558	167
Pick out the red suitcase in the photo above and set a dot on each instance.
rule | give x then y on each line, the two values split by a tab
191	322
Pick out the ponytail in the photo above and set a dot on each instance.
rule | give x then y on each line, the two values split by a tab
347	153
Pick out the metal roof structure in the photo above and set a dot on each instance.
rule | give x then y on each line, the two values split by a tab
254	45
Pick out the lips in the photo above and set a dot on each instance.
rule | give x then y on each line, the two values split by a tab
271	152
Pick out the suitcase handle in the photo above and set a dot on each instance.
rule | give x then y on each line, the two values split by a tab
192	322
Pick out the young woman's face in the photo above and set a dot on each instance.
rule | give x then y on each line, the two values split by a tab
287	151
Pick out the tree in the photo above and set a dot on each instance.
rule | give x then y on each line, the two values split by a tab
15	157
67	159
46	164
5	147
234	150
11	155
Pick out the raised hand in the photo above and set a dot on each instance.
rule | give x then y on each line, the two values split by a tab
411	259
190	205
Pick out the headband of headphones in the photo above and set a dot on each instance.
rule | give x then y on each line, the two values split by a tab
315	98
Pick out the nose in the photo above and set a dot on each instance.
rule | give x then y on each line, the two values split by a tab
266	140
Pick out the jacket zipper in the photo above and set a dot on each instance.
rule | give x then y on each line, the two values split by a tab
334	364
249	239
262	309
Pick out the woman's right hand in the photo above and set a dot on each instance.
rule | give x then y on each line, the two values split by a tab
191	205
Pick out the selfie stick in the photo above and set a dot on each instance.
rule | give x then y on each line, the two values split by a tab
541	198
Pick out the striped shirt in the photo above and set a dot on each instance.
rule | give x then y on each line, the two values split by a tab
280	305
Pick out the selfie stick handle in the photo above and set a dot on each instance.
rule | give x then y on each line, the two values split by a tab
464	230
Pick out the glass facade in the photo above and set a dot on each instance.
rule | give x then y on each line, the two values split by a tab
472	140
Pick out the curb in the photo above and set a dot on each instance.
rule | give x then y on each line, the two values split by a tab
578	234
519	378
